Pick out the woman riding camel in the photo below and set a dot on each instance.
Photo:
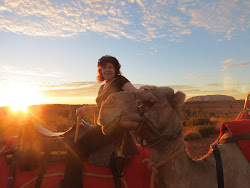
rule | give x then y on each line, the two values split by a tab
109	72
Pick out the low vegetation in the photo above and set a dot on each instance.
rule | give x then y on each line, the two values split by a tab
200	119
199	131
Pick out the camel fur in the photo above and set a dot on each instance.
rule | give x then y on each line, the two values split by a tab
161	107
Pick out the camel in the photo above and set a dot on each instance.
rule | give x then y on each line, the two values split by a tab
155	118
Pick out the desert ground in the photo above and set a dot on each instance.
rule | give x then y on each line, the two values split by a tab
61	117
199	147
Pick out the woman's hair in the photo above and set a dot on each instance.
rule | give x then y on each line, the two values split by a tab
103	61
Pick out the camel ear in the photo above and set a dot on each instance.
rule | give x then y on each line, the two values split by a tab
178	99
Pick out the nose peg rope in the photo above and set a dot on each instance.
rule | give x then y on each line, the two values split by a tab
77	128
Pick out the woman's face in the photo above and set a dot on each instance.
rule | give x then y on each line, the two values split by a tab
108	71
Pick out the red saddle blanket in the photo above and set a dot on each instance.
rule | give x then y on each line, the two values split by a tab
237	128
136	175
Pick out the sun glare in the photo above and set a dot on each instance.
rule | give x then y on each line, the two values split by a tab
18	107
19	96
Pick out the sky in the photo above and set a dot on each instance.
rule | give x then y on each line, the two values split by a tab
49	48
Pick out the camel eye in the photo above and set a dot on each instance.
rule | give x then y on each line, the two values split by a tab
150	102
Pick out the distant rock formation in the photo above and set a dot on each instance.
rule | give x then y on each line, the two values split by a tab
211	98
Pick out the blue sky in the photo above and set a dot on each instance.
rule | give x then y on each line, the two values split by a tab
52	47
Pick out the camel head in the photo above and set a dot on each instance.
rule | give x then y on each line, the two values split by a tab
149	113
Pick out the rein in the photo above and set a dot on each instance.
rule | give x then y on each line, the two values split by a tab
145	121
160	137
154	166
217	156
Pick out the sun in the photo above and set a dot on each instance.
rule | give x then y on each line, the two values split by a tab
19	107
20	95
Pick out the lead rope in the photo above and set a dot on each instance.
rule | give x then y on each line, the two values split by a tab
154	166
77	128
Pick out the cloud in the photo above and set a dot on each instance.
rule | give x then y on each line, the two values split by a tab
229	67
223	84
222	16
66	86
228	35
31	72
228	61
215	85
153	50
192	76
132	19
131	1
140	3
74	89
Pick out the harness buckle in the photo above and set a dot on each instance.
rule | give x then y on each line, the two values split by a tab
214	146
138	103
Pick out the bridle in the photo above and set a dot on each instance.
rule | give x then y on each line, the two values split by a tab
146	122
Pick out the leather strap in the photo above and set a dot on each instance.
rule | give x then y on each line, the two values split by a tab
116	175
216	152
73	172
11	178
43	165
233	139
219	166
146	122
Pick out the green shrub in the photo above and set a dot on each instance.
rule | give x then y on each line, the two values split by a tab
197	121
192	136
201	131
206	130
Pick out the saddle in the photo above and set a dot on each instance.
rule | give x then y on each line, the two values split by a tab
240	131
59	147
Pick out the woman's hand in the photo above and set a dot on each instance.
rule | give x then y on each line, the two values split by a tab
146	87
81	111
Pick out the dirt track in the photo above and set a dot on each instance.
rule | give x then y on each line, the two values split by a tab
199	147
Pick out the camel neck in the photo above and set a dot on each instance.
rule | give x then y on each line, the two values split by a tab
177	171
165	149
